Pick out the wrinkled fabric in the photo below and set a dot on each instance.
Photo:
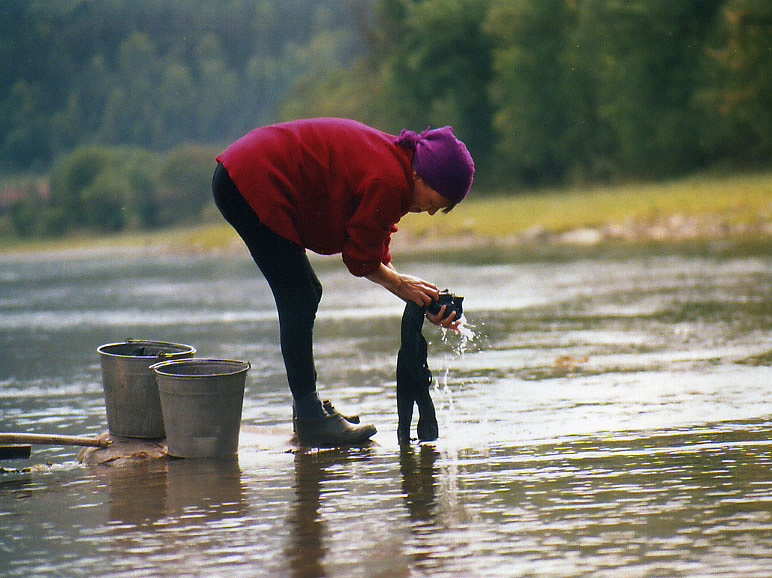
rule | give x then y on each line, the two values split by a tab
441	160
414	379
409	139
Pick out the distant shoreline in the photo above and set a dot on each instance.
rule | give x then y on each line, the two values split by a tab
698	208
175	242
673	228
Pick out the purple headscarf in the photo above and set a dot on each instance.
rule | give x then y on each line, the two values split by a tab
441	160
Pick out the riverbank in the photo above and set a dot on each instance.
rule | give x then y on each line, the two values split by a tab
701	207
697	208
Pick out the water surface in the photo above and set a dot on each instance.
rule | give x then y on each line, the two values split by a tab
612	417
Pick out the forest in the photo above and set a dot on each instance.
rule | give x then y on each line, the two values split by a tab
111	111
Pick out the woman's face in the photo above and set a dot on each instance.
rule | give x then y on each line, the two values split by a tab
425	198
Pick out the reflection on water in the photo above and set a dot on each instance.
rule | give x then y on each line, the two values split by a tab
189	490
132	504
611	416
314	471
418	480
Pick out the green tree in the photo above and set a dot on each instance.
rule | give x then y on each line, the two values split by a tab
541	90
185	183
132	109
738	88
530	88
439	69
649	55
30	218
104	188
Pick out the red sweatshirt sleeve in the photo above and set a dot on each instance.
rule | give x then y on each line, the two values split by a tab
368	232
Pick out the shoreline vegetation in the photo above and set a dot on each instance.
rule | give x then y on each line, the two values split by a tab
703	207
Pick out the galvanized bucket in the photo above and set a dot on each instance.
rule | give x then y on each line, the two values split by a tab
201	401
131	393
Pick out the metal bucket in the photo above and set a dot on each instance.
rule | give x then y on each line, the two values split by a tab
131	393
201	401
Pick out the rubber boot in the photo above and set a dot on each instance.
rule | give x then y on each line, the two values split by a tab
329	408
317	426
331	430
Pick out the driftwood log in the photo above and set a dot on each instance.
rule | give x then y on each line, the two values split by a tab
51	440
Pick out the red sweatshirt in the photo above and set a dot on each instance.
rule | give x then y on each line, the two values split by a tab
330	185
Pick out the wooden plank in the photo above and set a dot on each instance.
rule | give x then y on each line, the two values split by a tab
52	440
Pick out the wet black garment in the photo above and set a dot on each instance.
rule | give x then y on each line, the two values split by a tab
414	378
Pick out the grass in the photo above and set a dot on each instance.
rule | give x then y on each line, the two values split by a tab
737	199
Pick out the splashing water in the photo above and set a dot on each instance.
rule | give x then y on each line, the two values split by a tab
466	335
465	331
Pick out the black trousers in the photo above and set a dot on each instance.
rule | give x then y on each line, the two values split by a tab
296	288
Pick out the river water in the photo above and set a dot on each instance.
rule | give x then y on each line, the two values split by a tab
610	417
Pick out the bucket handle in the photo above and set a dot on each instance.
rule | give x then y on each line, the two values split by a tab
161	357
157	363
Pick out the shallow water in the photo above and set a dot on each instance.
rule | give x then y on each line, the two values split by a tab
611	418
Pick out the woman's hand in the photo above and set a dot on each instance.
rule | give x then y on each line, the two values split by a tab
450	322
406	287
420	292
417	290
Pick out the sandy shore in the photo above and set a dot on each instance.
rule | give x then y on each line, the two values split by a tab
673	228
